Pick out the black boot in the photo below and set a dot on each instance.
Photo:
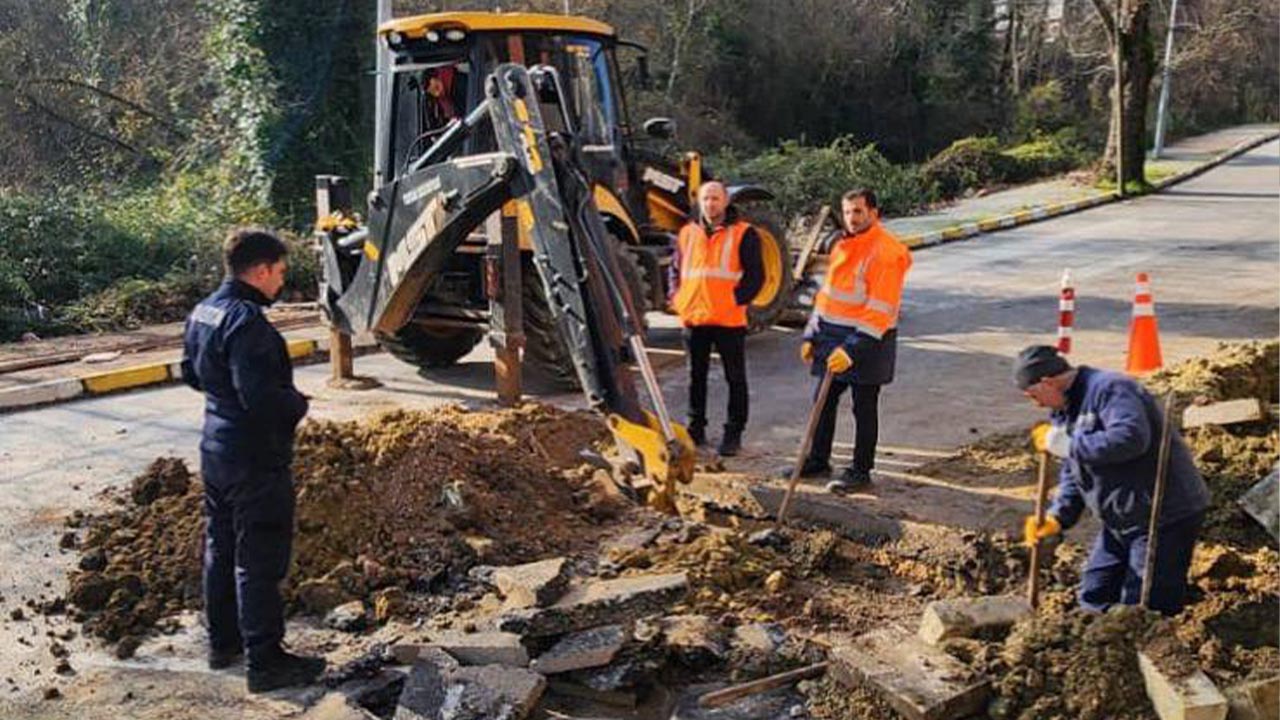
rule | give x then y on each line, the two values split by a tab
731	443
274	669
810	469
698	434
851	480
223	659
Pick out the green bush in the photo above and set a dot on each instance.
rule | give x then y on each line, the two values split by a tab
1044	156
972	162
1044	108
805	177
105	262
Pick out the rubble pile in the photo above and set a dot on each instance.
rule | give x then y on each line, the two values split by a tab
400	506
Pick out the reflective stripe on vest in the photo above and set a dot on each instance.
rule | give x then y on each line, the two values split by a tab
851	305
710	275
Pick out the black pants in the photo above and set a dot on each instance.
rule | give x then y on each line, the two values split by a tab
730	342
866	417
248	540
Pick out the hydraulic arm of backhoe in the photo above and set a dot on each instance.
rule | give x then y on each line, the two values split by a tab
418	220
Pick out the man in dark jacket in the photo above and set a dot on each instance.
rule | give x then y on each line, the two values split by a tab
853	333
1106	429
238	360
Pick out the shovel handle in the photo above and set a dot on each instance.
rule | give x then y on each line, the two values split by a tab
814	414
1042	497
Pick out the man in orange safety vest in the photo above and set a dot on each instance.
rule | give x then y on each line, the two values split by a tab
715	274
853	334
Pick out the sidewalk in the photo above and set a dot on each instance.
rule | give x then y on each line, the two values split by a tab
1030	203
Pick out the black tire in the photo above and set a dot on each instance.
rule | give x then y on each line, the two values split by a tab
775	295
430	348
546	354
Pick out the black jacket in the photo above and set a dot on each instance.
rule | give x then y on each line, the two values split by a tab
240	362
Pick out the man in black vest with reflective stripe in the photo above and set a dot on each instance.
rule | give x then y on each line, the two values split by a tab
239	361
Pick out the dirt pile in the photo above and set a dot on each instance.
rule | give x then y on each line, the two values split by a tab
1078	665
404	503
1234	618
1003	460
1234	370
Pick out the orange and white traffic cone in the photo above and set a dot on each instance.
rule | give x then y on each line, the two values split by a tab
1144	336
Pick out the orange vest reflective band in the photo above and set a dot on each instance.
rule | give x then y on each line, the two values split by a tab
863	286
710	269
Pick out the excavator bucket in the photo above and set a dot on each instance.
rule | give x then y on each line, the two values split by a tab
666	464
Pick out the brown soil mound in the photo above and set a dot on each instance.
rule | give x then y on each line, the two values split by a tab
408	500
1004	460
1234	619
1232	371
1078	665
725	571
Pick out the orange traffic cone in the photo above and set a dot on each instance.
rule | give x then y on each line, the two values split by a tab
1144	337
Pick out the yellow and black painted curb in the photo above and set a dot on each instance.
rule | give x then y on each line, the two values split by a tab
1044	212
301	351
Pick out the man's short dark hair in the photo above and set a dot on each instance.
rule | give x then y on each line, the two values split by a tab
866	194
247	247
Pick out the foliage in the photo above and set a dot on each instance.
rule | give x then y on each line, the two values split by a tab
804	177
973	162
1045	155
1044	108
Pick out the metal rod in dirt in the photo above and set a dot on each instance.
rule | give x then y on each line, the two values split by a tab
1042	497
651	384
814	413
1157	500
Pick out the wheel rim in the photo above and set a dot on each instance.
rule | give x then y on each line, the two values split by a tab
771	258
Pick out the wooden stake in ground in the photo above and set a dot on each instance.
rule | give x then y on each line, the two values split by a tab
1042	497
764	684
814	413
1157	500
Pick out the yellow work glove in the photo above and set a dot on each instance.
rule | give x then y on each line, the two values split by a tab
1040	437
839	361
806	351
1033	533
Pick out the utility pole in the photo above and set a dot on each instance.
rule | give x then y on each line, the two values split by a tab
382	93
1120	124
1162	113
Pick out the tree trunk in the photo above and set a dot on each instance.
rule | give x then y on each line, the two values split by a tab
1137	59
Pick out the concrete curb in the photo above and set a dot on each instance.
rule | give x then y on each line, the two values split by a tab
1044	212
302	352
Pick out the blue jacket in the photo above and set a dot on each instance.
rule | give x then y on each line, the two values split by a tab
1115	442
873	359
239	361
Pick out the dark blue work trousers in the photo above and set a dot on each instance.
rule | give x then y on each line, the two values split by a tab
1113	572
248	539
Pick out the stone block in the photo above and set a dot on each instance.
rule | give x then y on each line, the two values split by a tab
585	649
971	617
919	680
1229	412
536	584
1191	697
598	603
481	648
1257	700
438	687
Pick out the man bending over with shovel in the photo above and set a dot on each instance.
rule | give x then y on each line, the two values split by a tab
1107	430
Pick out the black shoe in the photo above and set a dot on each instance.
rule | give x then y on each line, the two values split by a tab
730	444
698	435
851	480
282	669
223	659
809	469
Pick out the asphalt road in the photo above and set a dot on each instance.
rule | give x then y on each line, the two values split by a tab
1210	245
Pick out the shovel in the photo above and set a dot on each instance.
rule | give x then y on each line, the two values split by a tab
1042	496
814	413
